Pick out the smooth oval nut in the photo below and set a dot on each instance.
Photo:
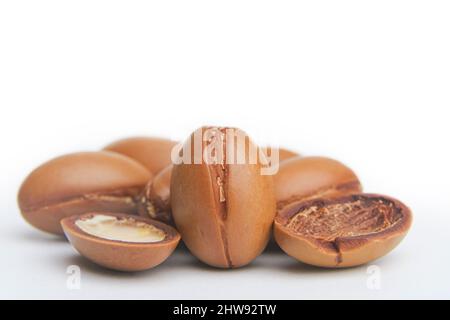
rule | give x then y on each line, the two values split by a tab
153	153
119	241
302	178
155	199
282	156
224	212
78	183
342	232
285	154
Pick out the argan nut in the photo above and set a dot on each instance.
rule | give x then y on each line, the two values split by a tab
78	183
342	232
302	178
153	153
119	241
224	212
285	154
155	199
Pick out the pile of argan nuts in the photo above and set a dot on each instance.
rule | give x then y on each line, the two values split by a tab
127	207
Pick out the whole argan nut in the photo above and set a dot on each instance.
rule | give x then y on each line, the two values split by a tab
223	210
342	232
285	154
119	241
153	153
155	199
79	183
302	178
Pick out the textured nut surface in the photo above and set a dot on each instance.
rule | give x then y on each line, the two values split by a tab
79	183
155	199
224	212
300	178
153	153
344	231
121	255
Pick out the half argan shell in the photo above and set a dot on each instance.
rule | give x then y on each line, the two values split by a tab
120	241
342	232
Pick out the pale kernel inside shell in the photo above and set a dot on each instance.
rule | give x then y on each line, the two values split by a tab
120	229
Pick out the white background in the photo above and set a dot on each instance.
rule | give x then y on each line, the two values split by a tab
366	82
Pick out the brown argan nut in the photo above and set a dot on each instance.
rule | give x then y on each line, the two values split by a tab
155	199
119	241
302	178
285	154
342	232
153	153
79	183
224	212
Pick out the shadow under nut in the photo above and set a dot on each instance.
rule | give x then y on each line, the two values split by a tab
224	212
302	178
155	199
342	232
78	183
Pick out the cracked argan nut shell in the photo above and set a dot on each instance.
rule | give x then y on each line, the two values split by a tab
153	153
224	212
302	178
119	241
79	183
342	232
155	199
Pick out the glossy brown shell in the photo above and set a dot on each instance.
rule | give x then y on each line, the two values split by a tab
155	199
285	154
118	255
300	178
78	183
224	224
153	153
347	250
